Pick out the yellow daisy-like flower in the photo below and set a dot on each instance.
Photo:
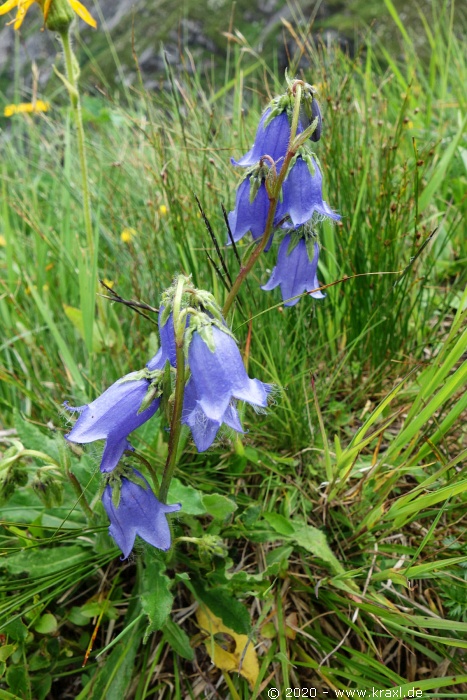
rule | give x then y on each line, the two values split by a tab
26	107
24	5
127	235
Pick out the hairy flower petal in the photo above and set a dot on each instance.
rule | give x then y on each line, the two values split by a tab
294	272
112	417
303	194
220	376
138	513
271	139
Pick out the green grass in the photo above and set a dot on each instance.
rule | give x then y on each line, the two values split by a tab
332	534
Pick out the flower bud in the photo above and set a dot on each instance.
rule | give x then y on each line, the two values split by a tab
48	488
58	15
11	478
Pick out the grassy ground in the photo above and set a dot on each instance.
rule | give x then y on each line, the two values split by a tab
332	535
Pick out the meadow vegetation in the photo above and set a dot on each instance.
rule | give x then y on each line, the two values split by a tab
332	533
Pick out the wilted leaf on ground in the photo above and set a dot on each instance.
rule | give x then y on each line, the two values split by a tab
228	651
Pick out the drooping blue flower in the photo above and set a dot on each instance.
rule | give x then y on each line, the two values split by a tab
273	133
272	139
138	513
167	350
204	429
250	215
302	192
219	376
296	271
112	417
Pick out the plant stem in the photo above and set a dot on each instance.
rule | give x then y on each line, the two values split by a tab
76	105
88	259
273	200
175	423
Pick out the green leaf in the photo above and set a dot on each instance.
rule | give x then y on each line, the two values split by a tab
33	438
156	599
221	602
6	651
42	687
314	541
219	506
43	562
46	624
279	523
178	639
191	499
16	630
17	679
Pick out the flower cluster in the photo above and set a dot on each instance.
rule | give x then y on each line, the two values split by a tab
215	379
282	154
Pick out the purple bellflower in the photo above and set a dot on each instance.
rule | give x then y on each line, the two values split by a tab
204	429
272	139
218	377
249	215
116	413
138	513
296	271
303	192
273	133
251	209
112	417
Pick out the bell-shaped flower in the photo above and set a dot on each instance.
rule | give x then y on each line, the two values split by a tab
218	376
204	429
138	513
272	139
296	270
113	416
252	208
302	192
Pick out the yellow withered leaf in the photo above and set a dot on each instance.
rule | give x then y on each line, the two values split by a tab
227	648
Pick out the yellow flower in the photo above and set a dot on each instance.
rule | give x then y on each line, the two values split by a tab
2	240
28	107
127	234
24	5
163	210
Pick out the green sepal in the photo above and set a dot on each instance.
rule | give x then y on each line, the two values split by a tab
153	392
134	376
304	135
114	480
293	243
202	324
207	335
282	103
255	184
310	247
116	485
164	316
